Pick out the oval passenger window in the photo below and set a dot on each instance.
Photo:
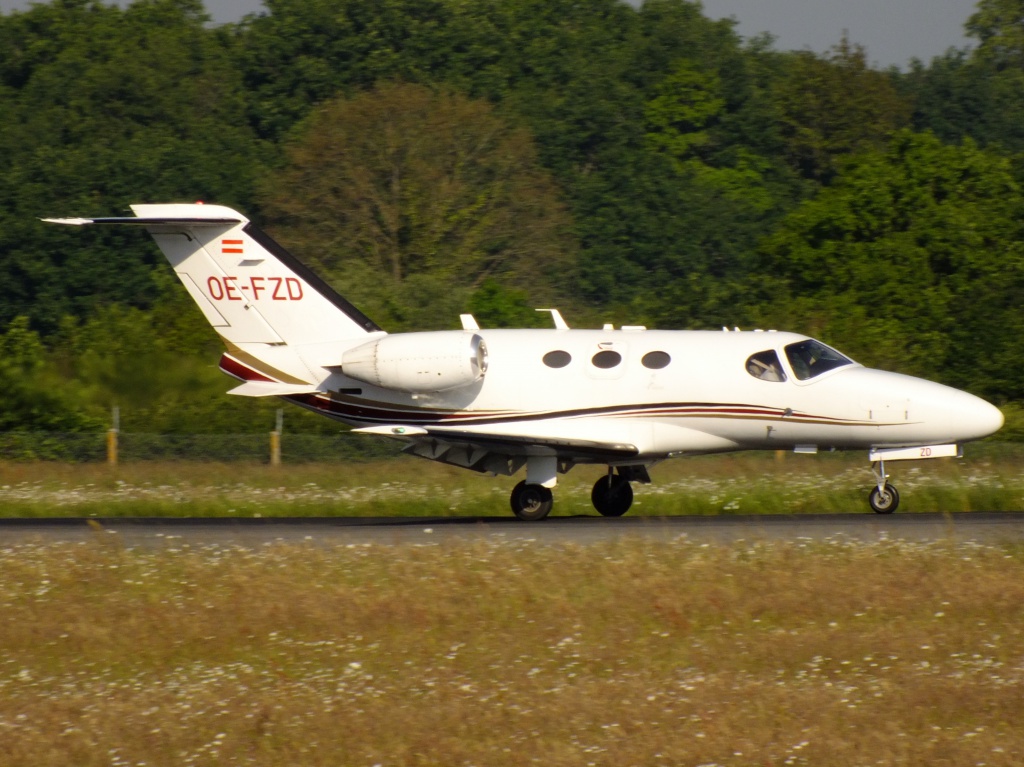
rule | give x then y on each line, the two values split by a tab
557	359
656	360
606	359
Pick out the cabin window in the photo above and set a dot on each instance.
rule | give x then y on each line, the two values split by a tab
557	359
656	360
605	360
811	358
766	366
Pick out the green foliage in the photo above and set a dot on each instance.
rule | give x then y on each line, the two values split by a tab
833	106
687	102
497	306
32	398
897	254
998	25
413	198
101	107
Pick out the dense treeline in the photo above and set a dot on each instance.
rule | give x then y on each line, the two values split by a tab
630	164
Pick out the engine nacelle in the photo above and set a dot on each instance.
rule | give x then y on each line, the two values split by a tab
419	362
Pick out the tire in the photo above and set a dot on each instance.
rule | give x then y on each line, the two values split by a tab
884	502
531	503
612	496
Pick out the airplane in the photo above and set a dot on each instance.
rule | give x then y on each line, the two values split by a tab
496	401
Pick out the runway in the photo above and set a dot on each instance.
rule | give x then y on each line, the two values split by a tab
981	527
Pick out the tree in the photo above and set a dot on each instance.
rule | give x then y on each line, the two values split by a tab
980	92
834	105
101	107
998	25
892	260
412	199
31	398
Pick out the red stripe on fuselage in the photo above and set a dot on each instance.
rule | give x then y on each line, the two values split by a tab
242	372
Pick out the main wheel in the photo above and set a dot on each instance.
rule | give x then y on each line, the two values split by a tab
531	502
612	496
884	501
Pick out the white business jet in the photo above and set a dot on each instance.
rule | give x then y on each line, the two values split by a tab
496	401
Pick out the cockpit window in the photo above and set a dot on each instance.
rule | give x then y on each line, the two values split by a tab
811	358
766	366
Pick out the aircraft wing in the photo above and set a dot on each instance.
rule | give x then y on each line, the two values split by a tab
496	452
566	447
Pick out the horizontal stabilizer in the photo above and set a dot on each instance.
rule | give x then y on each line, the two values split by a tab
272	389
149	221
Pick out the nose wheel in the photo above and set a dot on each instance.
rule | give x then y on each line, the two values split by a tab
884	500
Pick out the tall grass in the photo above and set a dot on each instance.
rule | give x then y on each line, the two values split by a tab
734	484
627	653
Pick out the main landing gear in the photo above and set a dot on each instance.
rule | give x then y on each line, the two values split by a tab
612	494
531	502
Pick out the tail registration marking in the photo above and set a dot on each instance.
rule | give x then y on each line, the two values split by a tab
274	288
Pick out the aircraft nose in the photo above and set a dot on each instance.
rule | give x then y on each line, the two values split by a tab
966	417
938	413
981	416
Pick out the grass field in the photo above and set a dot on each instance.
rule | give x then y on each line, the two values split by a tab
493	654
990	478
626	653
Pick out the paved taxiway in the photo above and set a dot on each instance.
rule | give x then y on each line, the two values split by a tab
983	527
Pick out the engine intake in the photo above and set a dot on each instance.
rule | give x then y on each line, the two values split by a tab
418	362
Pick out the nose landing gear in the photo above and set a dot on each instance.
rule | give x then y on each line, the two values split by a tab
884	498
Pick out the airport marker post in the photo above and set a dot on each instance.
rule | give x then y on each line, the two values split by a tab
275	440
115	415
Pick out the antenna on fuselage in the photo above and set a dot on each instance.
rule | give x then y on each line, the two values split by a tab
556	317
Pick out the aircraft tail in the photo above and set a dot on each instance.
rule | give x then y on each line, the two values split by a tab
281	322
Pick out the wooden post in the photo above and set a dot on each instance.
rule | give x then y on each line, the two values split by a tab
112	436
275	440
275	448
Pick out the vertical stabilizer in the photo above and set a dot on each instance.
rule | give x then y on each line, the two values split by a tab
249	287
270	309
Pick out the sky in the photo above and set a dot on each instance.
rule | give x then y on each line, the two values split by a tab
892	31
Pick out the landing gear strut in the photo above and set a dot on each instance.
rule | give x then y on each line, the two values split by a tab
884	498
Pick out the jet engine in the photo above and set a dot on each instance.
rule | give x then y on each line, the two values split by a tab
418	362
